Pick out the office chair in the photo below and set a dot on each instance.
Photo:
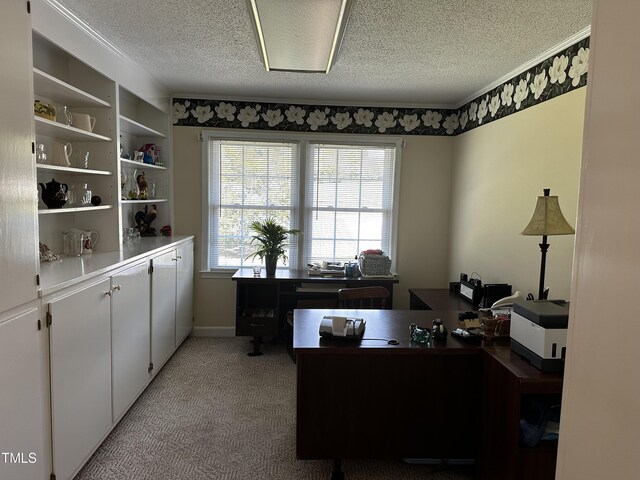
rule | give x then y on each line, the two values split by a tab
363	297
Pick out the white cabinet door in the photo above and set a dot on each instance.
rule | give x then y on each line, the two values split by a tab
184	293
80	356
130	335
18	196
163	308
23	403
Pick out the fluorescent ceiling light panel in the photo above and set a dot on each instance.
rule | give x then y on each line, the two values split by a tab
299	35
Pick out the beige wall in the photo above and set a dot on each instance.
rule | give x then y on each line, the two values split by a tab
499	170
423	221
600	424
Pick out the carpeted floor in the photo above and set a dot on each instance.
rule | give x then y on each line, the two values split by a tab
215	413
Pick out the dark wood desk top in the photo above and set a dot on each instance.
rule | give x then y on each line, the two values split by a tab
441	299
284	275
394	324
384	324
532	380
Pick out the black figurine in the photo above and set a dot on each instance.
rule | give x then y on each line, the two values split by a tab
439	331
144	219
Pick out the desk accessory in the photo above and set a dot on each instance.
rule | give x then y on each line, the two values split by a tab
345	328
374	263
419	335
466	335
492	292
471	289
547	220
439	331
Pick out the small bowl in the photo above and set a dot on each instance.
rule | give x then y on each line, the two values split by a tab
44	110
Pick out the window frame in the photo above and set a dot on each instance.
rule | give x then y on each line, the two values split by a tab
303	139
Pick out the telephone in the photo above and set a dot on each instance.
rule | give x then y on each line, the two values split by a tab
348	328
506	301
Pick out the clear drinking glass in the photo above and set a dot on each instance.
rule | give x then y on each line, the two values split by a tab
63	115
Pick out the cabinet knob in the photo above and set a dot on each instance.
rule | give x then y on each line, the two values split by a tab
116	287
108	293
179	257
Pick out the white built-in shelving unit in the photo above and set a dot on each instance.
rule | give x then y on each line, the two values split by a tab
124	123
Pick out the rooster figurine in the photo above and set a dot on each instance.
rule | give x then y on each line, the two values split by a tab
143	221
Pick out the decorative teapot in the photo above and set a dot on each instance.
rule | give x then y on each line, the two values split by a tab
54	194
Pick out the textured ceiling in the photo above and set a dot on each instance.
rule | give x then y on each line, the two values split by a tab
395	52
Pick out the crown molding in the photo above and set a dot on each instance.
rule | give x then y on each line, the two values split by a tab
584	33
307	101
86	28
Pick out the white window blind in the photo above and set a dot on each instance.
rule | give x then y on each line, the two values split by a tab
349	200
249	181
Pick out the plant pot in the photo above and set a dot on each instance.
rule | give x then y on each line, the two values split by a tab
270	265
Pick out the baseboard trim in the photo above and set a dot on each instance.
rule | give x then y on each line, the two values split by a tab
214	331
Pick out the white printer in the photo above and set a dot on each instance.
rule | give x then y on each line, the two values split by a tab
539	332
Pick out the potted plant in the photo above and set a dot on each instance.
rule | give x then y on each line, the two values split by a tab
270	238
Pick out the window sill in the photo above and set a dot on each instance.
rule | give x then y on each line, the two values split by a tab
218	273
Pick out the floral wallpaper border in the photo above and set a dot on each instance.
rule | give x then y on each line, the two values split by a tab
560	73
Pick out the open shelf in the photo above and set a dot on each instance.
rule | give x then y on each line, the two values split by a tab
53	211
48	86
55	129
154	200
82	171
135	164
134	128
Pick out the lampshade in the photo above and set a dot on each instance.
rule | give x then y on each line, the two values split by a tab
548	219
299	35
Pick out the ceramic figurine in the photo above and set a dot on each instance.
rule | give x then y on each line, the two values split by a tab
143	187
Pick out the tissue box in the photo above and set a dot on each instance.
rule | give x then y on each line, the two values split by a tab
374	264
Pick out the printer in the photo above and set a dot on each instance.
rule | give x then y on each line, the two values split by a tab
539	332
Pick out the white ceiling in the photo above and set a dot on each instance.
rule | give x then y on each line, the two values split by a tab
395	52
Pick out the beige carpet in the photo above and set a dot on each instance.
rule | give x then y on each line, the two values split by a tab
215	413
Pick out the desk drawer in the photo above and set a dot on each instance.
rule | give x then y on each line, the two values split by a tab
257	326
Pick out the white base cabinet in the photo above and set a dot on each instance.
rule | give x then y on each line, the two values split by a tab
130	335
163	308
80	342
107	336
24	431
184	292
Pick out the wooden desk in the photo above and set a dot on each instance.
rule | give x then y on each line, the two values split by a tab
374	400
437	299
262	303
510	379
377	400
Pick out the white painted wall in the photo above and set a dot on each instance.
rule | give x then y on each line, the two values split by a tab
499	170
600	424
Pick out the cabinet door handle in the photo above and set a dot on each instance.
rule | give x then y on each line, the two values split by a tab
115	287
256	324
108	293
179	257
174	259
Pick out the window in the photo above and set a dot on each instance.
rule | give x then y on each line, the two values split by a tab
349	200
340	195
248	181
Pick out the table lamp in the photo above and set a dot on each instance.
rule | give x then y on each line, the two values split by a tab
547	220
